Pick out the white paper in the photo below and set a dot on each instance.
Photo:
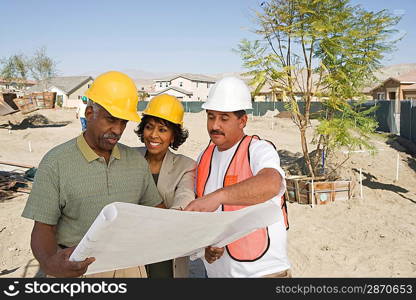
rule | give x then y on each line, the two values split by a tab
125	235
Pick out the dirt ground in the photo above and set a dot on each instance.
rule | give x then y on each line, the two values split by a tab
373	236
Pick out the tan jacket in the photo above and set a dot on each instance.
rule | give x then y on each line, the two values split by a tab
176	188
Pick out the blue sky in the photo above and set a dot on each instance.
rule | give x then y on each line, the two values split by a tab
154	36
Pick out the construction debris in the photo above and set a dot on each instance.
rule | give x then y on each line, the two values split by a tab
7	106
34	121
14	182
34	101
272	113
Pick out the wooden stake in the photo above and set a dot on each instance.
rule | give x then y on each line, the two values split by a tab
312	194
15	164
397	167
30	146
361	184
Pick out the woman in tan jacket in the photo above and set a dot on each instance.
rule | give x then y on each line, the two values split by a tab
162	127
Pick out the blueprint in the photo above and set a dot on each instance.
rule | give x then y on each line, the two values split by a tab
125	235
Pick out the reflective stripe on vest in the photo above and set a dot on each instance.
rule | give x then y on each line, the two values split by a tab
254	245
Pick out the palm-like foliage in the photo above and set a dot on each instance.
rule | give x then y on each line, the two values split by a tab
327	49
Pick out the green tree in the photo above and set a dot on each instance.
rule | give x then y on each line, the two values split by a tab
15	69
42	67
143	95
325	49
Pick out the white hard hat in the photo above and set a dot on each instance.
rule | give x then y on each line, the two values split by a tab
229	94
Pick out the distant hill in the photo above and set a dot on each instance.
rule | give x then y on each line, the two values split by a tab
143	79
133	73
389	71
144	84
222	75
395	70
384	73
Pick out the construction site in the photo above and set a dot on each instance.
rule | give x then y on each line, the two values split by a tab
362	225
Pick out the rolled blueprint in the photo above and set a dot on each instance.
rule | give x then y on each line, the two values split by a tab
126	235
95	234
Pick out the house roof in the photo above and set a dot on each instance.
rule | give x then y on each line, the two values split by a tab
265	89
192	77
67	84
407	78
172	88
15	80
144	84
299	84
411	87
367	89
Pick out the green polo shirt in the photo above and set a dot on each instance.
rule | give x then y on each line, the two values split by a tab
72	184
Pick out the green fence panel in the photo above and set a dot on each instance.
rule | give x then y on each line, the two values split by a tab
261	108
413	121
408	120
192	106
384	114
142	105
280	106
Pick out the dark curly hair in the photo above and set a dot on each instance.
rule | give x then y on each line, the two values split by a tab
179	134
240	113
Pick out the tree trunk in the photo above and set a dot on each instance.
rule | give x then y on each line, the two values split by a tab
306	151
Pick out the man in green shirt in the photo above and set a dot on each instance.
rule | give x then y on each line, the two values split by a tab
76	179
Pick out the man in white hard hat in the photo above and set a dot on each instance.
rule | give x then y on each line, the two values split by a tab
235	171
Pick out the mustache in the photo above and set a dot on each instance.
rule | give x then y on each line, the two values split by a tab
216	132
111	136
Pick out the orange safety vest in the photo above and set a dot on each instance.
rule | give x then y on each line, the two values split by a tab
254	245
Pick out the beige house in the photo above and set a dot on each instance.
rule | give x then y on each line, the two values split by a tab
409	91
195	87
186	87
68	89
399	87
272	92
267	93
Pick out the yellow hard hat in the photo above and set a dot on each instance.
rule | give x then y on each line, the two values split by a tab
166	107
117	93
